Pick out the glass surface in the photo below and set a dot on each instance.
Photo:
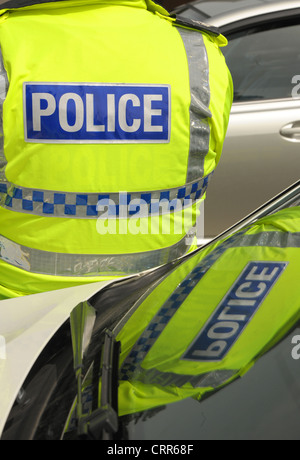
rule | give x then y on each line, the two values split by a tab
264	63
208	9
263	404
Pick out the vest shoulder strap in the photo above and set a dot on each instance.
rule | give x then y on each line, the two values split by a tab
197	25
179	20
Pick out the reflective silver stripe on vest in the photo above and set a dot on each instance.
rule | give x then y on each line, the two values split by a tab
211	379
88	265
3	93
130	369
91	205
200	100
271	239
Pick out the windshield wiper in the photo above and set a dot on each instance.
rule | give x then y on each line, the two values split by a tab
102	423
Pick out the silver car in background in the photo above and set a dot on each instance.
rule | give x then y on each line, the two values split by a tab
261	154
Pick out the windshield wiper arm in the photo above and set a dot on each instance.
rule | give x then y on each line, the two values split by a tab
102	423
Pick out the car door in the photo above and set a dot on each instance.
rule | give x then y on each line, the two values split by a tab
261	154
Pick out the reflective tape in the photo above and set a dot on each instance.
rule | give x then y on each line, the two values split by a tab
271	239
90	205
200	100
210	379
87	265
3	93
131	367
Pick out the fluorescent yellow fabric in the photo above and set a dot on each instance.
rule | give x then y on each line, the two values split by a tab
71	42
152	381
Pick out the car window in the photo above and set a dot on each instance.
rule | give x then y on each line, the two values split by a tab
206	9
264	61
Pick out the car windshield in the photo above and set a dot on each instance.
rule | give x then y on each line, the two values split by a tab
261	405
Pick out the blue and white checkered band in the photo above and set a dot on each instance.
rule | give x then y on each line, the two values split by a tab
91	205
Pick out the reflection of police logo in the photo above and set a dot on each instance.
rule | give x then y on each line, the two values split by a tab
235	311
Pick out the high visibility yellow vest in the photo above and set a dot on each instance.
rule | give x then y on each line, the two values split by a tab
113	121
208	321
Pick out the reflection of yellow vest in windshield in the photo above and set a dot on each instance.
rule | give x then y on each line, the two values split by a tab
209	320
111	133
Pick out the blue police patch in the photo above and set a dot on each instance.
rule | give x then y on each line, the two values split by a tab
235	311
96	113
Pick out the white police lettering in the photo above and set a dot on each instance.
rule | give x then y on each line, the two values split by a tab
235	311
150	112
63	112
39	112
136	123
76	113
90	116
